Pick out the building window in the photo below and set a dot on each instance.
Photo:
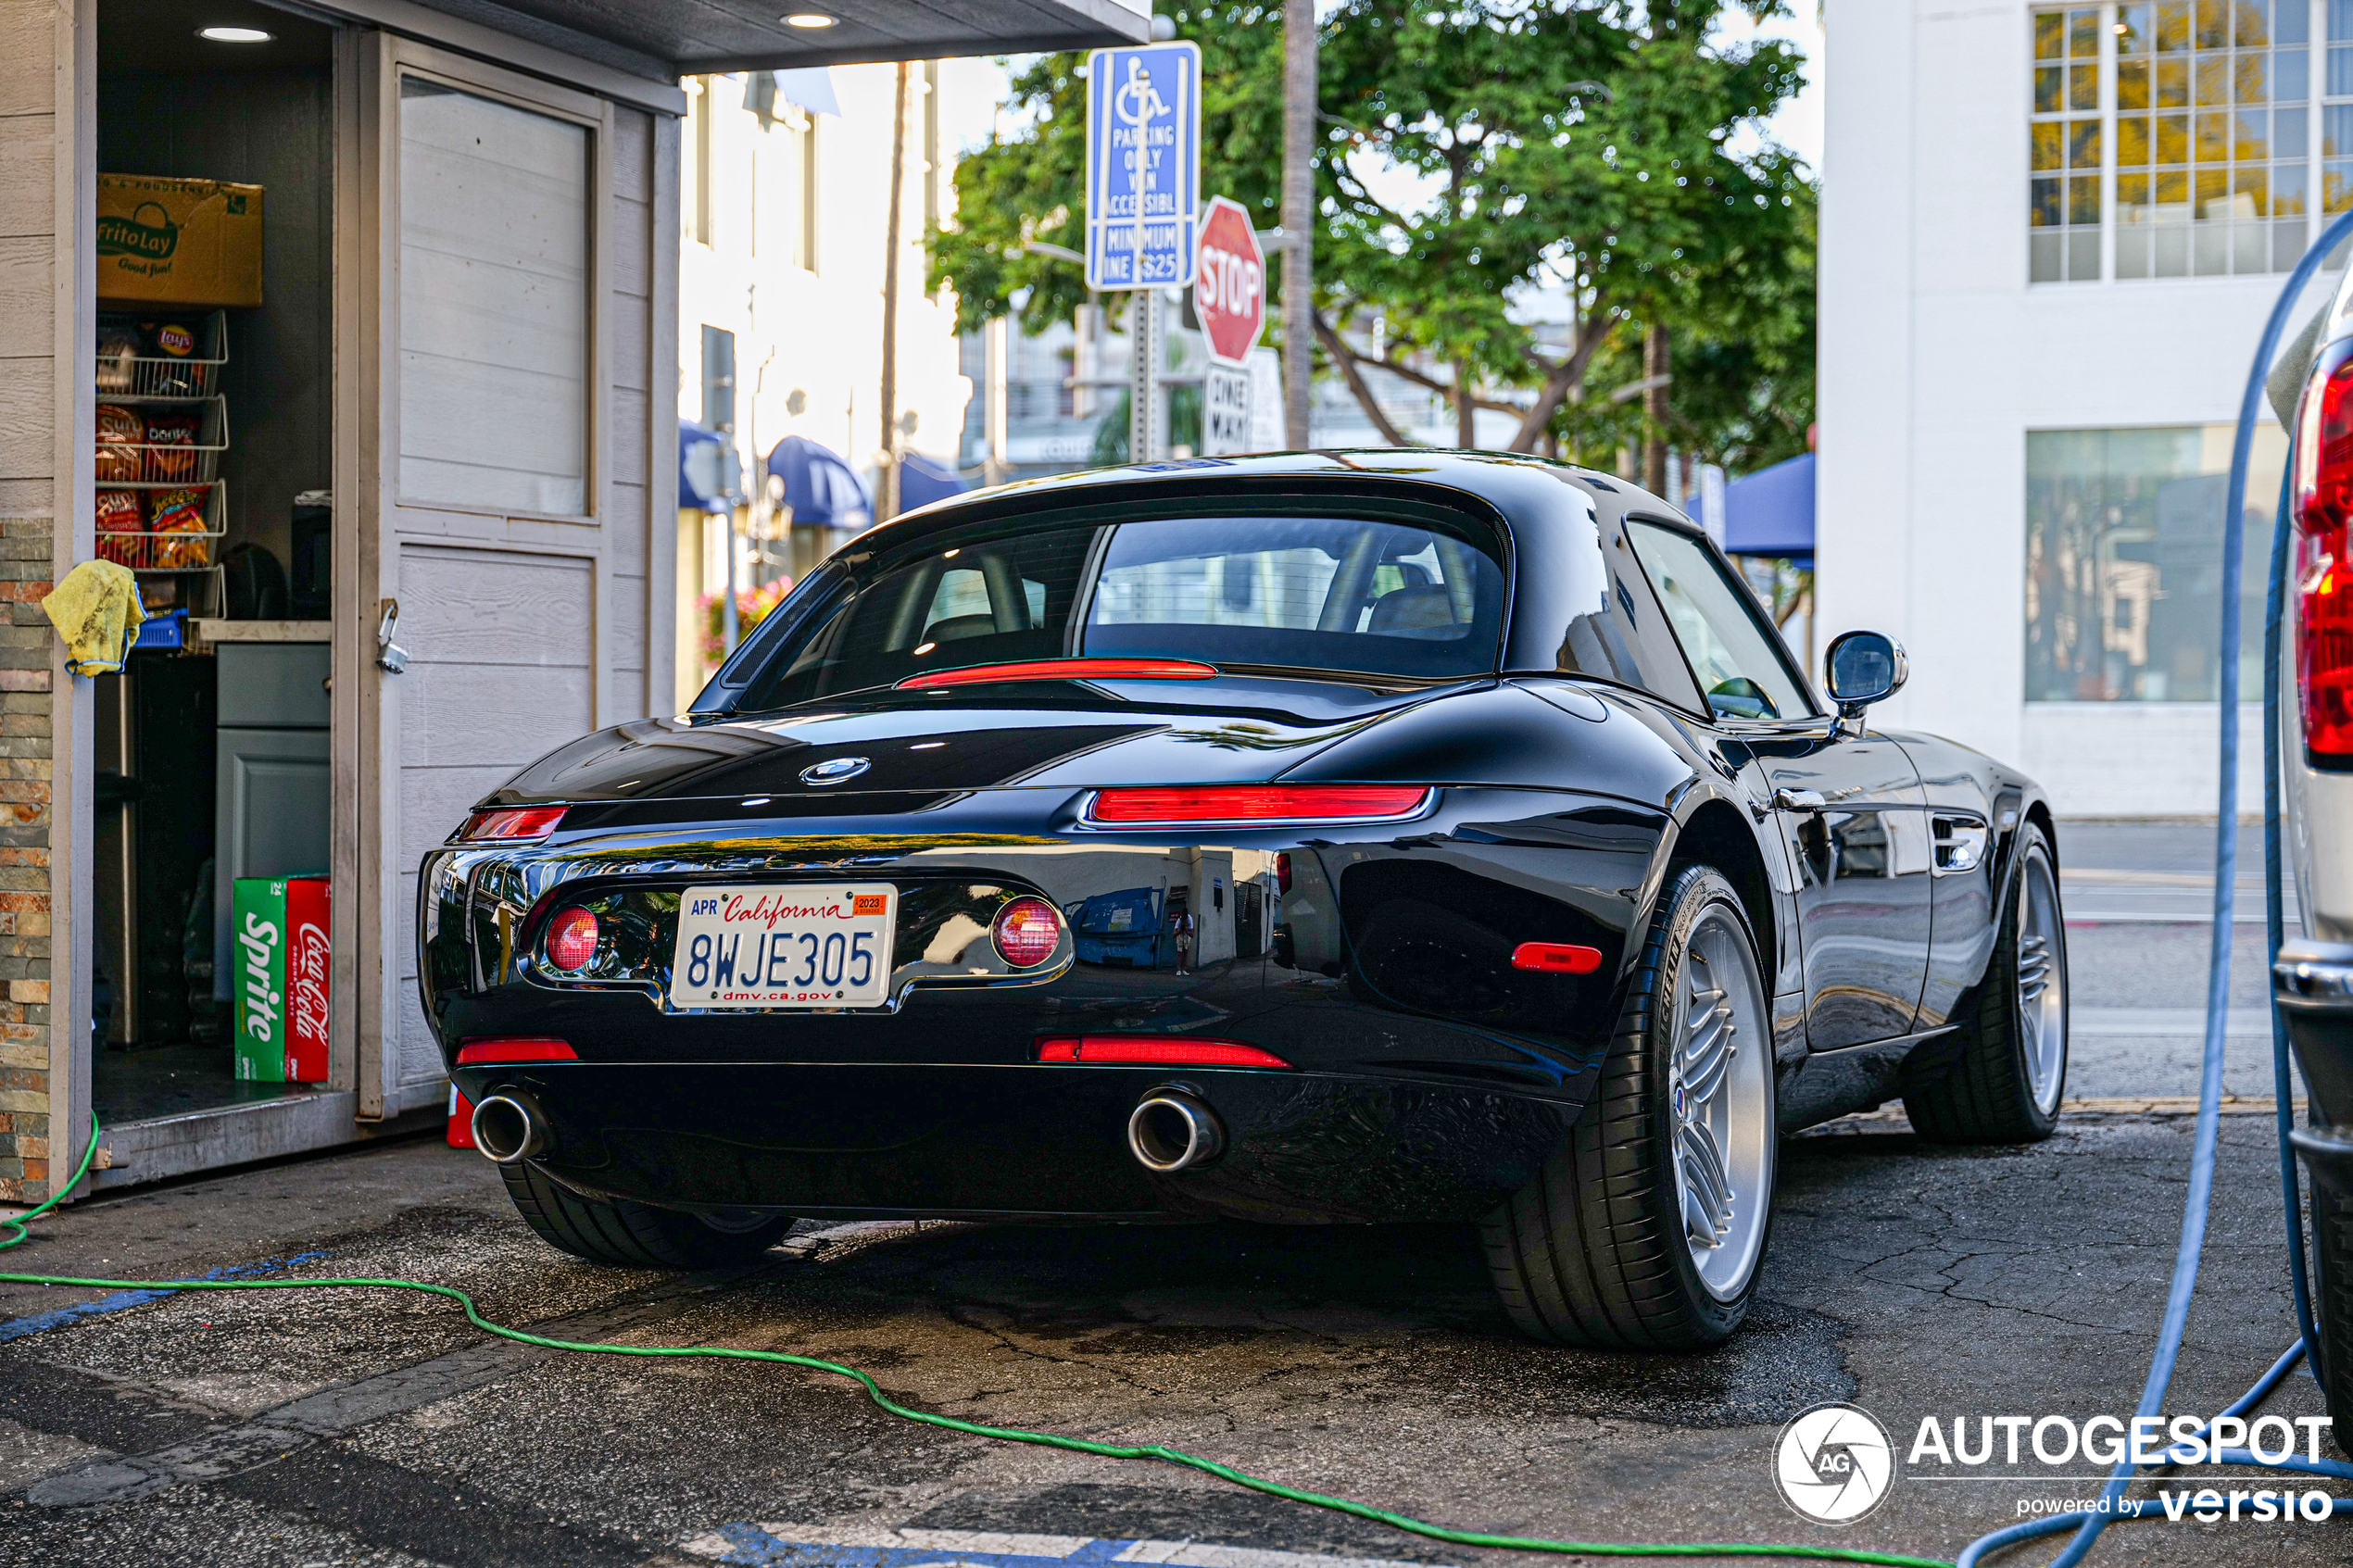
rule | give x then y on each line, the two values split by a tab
2125	562
2068	135
2199	112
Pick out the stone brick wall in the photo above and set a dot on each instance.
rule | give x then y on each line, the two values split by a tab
25	775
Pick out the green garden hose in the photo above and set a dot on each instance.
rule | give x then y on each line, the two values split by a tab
949	1424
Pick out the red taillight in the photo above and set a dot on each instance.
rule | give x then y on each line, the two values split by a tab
1556	958
477	1053
1156	1050
1026	932
513	824
1282	873
1065	669
1257	803
2324	556
572	939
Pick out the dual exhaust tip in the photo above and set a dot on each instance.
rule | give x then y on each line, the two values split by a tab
1173	1130
509	1128
1169	1131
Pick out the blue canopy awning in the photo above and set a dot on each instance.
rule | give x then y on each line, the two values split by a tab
1771	512
821	490
923	479
705	459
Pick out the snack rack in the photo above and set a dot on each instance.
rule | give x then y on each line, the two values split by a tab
178	567
169	551
127	375
124	464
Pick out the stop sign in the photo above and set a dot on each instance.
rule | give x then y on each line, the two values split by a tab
1229	283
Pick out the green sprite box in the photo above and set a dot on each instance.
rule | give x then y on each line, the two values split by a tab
279	950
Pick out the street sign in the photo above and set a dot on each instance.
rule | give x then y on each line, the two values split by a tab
1143	166
1242	407
1229	283
1225	411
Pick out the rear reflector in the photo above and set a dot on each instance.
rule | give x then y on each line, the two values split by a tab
1064	669
1556	958
1257	803
1155	1050
516	823
2323	566
478	1053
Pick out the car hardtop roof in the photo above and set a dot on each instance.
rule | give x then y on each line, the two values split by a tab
1495	478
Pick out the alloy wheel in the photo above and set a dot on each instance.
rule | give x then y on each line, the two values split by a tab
2042	983
1720	1100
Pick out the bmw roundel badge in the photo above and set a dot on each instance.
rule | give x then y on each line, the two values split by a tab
838	770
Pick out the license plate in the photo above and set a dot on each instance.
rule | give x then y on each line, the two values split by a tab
821	944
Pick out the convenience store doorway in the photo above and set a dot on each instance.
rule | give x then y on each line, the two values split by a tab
215	405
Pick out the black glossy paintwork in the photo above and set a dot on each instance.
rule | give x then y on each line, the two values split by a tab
1432	1077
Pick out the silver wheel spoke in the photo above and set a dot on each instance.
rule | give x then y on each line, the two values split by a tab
1708	1200
1707	1053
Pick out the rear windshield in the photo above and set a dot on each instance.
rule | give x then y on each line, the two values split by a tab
1347	595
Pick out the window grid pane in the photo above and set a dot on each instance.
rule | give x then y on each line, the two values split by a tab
2211	134
2068	144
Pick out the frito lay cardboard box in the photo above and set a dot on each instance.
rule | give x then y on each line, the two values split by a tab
281	927
179	241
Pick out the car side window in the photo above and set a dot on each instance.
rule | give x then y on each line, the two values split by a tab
1741	671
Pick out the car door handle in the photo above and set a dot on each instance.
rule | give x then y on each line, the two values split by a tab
1798	800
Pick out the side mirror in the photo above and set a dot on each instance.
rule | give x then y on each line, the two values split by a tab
1865	668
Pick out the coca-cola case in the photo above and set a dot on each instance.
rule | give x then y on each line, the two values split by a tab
281	928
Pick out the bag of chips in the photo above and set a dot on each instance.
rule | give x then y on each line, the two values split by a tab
171	343
121	519
118	355
179	511
166	433
120	434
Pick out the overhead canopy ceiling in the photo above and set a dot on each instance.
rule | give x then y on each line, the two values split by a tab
673	38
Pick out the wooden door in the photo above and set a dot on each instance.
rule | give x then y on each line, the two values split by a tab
503	330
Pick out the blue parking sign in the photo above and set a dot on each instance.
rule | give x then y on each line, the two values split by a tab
1143	166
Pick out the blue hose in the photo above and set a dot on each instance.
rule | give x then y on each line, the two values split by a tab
2217	981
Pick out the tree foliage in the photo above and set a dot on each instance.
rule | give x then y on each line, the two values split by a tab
1584	168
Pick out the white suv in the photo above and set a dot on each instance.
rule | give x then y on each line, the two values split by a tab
2313	979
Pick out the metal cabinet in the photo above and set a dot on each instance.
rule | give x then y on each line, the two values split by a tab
272	771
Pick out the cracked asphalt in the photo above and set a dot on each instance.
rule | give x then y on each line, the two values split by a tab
303	1428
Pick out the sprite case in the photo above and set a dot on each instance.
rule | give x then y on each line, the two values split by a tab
280	926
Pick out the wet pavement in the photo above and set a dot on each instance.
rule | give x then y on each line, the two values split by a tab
369	1427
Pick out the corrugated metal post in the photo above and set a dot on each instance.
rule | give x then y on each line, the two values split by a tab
1299	217
1145	443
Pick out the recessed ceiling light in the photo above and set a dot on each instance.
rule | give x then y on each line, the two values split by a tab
233	34
809	19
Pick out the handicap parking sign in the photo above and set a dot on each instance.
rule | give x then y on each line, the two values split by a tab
1143	166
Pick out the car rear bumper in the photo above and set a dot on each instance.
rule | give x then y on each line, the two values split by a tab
899	1140
2312	981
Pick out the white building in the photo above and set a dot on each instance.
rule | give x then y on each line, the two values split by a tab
2050	236
784	211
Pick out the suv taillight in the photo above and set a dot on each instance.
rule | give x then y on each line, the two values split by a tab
2323	564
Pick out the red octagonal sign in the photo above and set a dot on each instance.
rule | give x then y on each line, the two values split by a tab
1229	285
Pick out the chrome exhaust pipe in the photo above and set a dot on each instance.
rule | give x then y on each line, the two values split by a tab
509	1127
1171	1131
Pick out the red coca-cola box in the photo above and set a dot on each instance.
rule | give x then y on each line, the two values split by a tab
282	926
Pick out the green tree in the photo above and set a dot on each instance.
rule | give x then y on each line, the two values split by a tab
1574	157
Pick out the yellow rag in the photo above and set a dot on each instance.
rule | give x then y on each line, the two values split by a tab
96	609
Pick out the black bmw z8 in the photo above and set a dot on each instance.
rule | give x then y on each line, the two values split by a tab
1327	838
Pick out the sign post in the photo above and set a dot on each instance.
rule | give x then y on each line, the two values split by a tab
1229	296
1143	195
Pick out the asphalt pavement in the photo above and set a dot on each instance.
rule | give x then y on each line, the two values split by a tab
1911	1280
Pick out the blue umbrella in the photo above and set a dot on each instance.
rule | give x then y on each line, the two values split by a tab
821	490
922	480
